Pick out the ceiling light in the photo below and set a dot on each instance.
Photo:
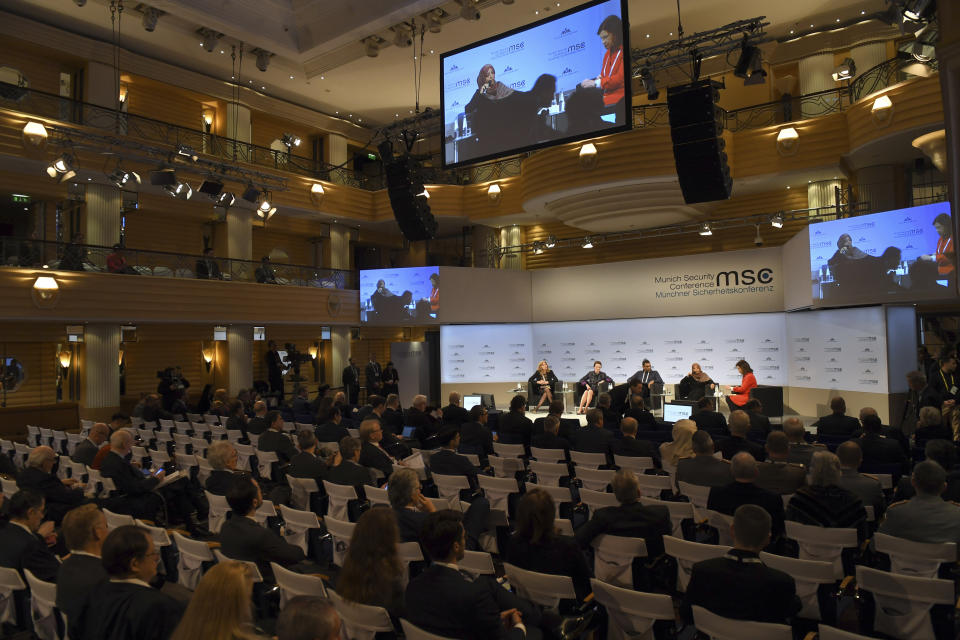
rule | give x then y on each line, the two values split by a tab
371	46
434	20
263	58
150	17
705	229
649	83
210	39
777	221
845	71
225	199
551	242
35	133
290	140
468	10
918	10
402	35
587	243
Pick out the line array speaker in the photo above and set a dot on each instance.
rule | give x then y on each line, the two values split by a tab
696	126
410	208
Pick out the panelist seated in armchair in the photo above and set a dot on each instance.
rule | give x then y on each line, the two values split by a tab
542	385
514	120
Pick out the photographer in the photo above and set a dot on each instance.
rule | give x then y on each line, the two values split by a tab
171	389
275	370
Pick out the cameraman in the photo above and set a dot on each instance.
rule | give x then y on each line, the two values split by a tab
171	388
275	370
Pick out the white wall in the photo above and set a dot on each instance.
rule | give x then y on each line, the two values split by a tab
797	286
485	295
413	368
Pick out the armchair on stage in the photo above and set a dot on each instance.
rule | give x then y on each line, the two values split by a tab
578	389
533	392
771	399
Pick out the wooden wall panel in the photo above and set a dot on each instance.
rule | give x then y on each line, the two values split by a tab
266	128
41	66
298	248
161	101
822	141
915	103
164	224
38	358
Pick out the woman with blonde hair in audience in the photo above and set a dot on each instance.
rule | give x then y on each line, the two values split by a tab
682	445
220	608
372	572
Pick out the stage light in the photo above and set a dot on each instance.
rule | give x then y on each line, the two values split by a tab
210	187
705	229
64	168
777	221
493	192
180	190
434	20
150	17
290	140
402	35
210	39
263	203
918	10
587	243
371	46
468	10
251	193
35	133
749	60
266	214
846	70
121	177
537	248
225	200
551	242
163	177
929	34
649	83
263	58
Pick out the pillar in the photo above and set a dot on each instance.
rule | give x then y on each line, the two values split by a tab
239	234
240	357
511	236
238	123
339	247
102	225
867	56
815	75
948	54
877	186
100	369
339	352
822	194
336	149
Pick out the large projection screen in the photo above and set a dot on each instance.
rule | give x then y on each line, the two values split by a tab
400	297
561	79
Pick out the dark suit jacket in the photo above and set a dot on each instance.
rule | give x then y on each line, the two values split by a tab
455	414
300	406
515	428
307	465
442	601
331	432
426	426
392	421
632	521
611	420
836	425
243	539
21	550
759	423
735	444
124	611
220	481
559	556
78	576
449	463
712	421
727	498
350	473
128	479
373	372
85	452
741	590
59	497
410	522
801	452
207	272
549	441
275	441
704	470
476	438
376	458
634	448
781	477
645	419
257	425
593	440
881	450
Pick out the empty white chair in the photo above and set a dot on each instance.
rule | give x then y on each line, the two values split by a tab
21	452
808	576
10	581
354	433
479	563
43	600
822	543
73	439
498	490
158	456
217	514
296	525
58	440
341	531
505	467
637	465
408	552
165	424
33	436
688	554
653	485
549	473
194	417
338	496
413	632
903	602
293	584
450	486
203	470
697	494
613	558
473	458
886	480
832	633
508	450
192	554
181	440
918	559
589	460
252	568
595	479
145	435
361	621
217	432
244	452
265	462
63	469
210	418
9	486
159	534
376	495
548	455
597	500
85	425
46	437
115	520
300	491
720	628
264	511
540	588
632	613
303	426
140	455
288	427
186	462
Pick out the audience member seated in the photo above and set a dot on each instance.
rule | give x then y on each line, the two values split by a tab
330	429
237	419
372	572
671	453
308	618
568	426
864	486
703	468
776	473
453	413
39	475
631	447
593	438
637	410
548	438
446	461
126	607
475	436
153	410
274	440
350	472
408	502
877	448
823	502
611	418
372	453
514	427
223	458
536	545
743	490
119	421
23	539
243	538
738	585
739	425
759	423
708	419
944	453
800	450
392	417
425	424
307	464
893	433
84	530
926	517
447	602
258	423
930	426
221	606
86	450
838	423
300	404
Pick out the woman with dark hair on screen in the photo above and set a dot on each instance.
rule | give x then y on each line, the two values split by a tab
543	380
488	86
611	78
696	384
740	394
591	383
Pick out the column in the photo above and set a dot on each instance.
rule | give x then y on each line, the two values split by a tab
238	123
340	237
336	149
877	187
511	236
339	352
867	56
948	53
102	225
240	357
815	75
240	242
823	194
101	372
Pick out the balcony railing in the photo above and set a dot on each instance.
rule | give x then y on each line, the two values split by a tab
30	253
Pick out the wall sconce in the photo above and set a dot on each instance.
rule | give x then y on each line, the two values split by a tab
788	141
63	358
493	192
317	193
34	134
208	354
207	120
45	292
120	358
122	96
313	351
588	156
882	111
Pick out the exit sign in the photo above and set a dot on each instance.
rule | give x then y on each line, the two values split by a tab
21	198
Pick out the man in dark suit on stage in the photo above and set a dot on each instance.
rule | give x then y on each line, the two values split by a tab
275	370
84	530
373	372
650	381
351	382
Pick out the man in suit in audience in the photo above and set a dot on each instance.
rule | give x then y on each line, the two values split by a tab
258	423
331	428
568	426
894	433
776	474
372	453
925	517
351	382
838	423
866	487
300	404
135	492
637	409
84	530
453	413
631	447
800	450
38	475
307	464
274	440
126	607
447	602
392	417
759	423
350	472
739	428
425	425
703	469
593	438
243	538
475	436
389	441
738	585
86	450
743	490
448	462
877	448
308	618
22	544
223	457
708	419
549	439
611	419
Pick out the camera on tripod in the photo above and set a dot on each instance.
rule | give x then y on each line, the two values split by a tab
295	358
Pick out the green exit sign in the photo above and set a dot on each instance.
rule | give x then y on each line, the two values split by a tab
371	156
19	197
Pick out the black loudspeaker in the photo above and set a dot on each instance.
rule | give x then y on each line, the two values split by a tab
696	124
411	210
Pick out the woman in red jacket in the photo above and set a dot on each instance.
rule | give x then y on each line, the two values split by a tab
740	395
611	78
